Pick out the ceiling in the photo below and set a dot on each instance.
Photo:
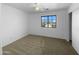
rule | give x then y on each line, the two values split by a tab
29	7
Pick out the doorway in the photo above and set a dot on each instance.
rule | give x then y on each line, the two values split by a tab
70	28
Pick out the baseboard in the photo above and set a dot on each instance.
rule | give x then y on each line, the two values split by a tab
75	49
15	40
47	36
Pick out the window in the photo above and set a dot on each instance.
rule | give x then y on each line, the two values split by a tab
48	21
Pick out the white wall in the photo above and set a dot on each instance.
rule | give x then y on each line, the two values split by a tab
61	31
13	24
75	25
0	31
75	30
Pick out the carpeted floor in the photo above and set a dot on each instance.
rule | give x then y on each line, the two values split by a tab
38	45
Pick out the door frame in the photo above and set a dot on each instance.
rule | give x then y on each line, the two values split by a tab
70	27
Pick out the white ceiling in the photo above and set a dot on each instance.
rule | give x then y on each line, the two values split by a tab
28	7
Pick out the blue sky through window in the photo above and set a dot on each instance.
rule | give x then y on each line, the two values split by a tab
49	21
51	18
44	18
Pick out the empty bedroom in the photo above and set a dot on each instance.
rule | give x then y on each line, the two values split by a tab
39	28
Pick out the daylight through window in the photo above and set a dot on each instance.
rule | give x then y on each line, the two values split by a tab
49	21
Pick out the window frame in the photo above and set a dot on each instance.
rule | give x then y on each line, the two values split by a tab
48	21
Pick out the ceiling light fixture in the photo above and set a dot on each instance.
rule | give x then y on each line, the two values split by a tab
39	7
36	6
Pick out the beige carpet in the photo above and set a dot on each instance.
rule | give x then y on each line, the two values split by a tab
38	45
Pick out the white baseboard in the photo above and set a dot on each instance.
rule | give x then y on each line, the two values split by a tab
3	45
